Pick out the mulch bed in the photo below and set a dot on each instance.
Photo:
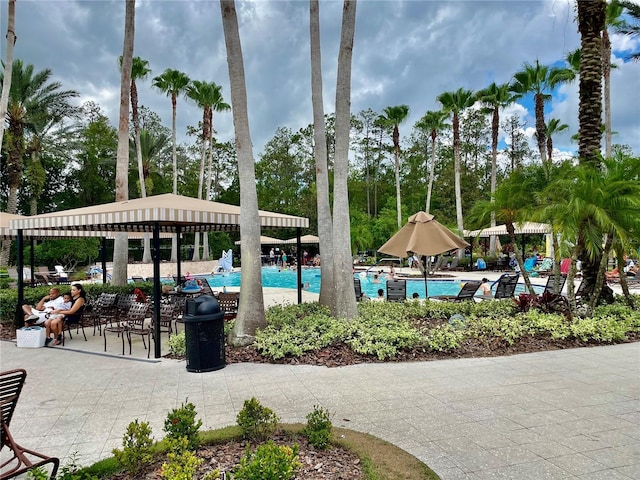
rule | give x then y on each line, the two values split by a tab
332	464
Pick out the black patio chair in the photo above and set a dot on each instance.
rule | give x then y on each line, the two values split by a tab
506	285
467	292
551	284
396	290
357	286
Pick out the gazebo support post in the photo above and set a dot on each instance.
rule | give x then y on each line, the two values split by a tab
32	262
103	258
20	269
179	259
156	289
299	260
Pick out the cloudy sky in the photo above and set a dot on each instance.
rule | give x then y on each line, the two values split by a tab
406	52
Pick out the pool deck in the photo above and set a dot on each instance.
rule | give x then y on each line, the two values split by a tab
565	414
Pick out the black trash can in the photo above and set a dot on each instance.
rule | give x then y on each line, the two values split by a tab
204	334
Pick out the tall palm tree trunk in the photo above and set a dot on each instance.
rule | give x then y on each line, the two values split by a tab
174	159
541	128
121	244
432	169
205	235
495	128
591	23
251	311
457	173
606	76
325	223
397	172
8	68
345	305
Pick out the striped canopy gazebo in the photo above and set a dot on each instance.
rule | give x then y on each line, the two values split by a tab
155	214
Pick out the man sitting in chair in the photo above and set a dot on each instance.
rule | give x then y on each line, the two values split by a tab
37	315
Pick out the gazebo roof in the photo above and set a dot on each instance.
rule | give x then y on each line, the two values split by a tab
170	212
525	228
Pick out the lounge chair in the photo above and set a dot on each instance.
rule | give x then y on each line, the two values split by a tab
467	292
506	285
551	284
529	263
137	279
565	264
396	290
357	286
22	459
453	266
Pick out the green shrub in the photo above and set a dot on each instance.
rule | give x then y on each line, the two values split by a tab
606	329
182	463
256	422
445	338
69	471
318	428
181	422
136	447
269	462
178	344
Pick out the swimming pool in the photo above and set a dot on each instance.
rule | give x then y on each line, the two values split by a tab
275	277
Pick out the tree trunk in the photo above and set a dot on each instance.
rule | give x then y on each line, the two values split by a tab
251	310
121	244
541	129
519	257
196	246
606	76
591	23
458	190
495	128
345	306
397	172
8	69
174	159
432	168
325	223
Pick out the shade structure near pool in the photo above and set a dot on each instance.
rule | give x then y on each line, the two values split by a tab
423	235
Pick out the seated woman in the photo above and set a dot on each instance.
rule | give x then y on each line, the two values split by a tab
55	324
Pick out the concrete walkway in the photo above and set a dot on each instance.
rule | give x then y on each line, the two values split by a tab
568	414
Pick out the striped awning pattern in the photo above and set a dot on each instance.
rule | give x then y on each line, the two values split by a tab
170	212
264	240
8	233
520	229
304	240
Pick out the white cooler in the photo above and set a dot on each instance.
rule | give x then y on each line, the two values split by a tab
31	337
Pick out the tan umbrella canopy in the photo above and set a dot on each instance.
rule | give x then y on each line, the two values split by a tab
264	240
304	239
423	235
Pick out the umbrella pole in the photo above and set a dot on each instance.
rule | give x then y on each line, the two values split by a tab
426	289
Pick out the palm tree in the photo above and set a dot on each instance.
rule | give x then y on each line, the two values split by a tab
251	310
325	224
173	83
392	117
345	300
554	126
494	97
591	22
207	96
121	244
455	103
432	122
539	80
612	20
632	9
592	203
33	102
8	65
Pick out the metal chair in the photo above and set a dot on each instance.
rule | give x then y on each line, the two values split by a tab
22	459
506	285
104	311
135	325
229	302
358	289
551	284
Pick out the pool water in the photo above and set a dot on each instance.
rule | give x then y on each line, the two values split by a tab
275	277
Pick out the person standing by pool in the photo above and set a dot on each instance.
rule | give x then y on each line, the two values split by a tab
272	257
284	259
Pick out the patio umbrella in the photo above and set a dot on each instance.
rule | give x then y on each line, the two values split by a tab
423	235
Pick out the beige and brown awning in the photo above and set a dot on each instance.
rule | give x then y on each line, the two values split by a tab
170	212
525	228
